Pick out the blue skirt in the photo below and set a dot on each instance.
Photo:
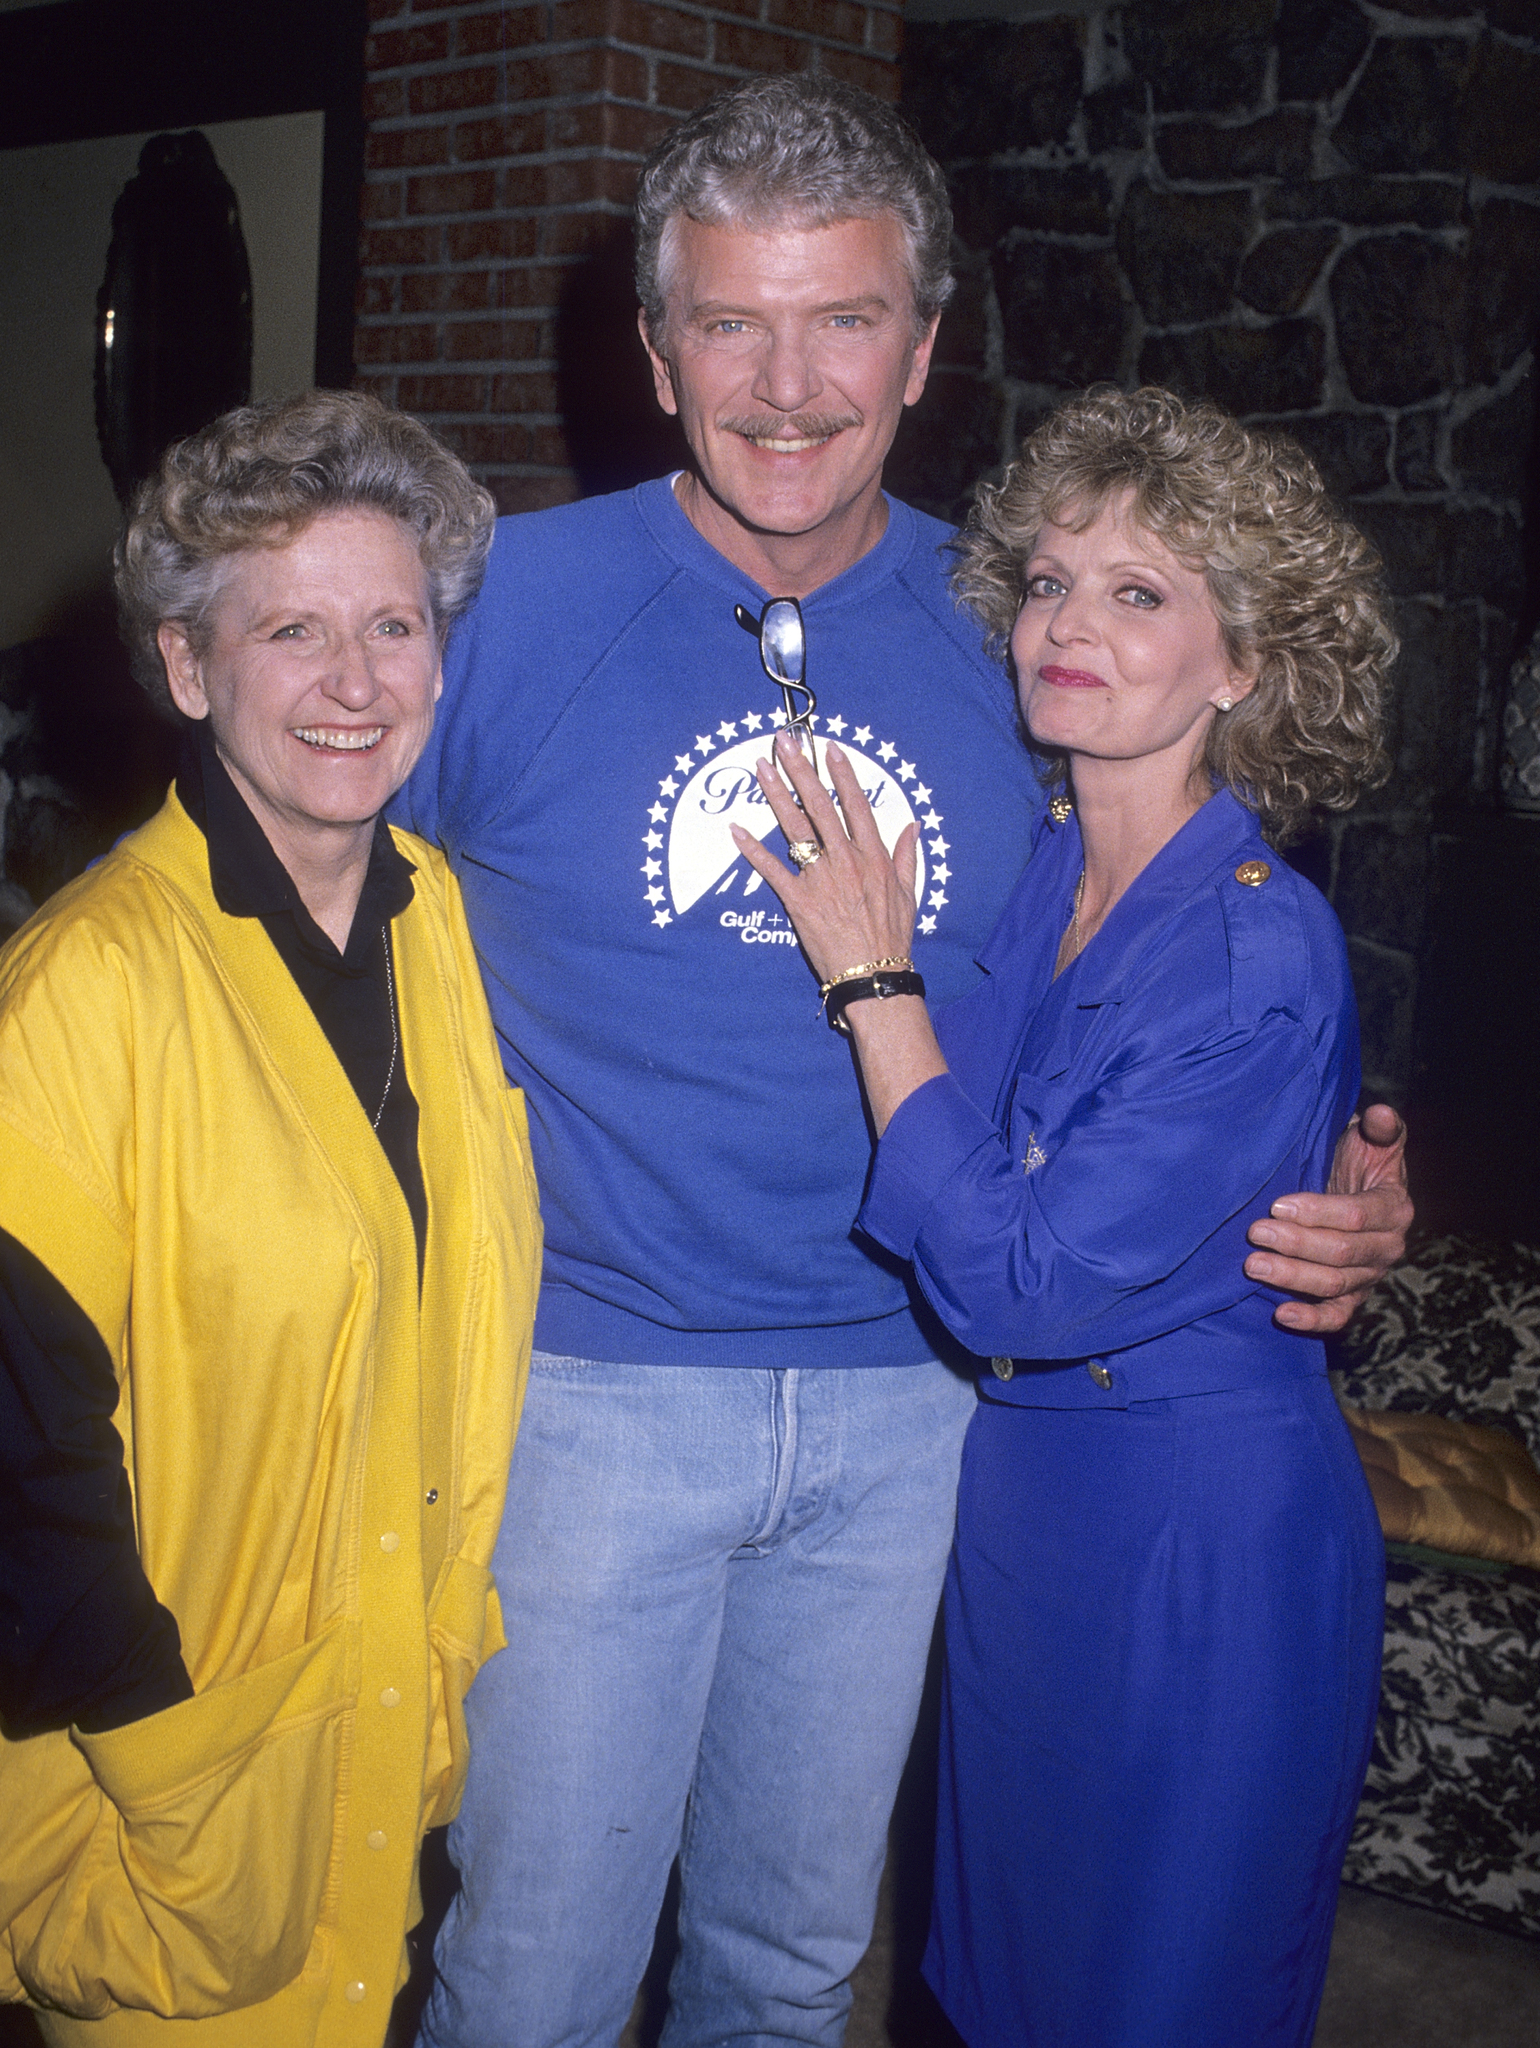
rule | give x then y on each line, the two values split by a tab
1163	1629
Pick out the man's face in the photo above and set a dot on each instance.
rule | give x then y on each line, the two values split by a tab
789	356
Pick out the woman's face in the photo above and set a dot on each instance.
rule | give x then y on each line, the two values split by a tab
320	674
1118	653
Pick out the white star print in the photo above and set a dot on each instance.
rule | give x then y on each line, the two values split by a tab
733	734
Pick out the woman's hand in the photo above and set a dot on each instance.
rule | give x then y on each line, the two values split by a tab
853	903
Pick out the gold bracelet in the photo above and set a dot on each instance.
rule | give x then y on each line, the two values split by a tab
866	967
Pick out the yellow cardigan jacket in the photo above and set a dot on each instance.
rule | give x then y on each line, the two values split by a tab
317	1455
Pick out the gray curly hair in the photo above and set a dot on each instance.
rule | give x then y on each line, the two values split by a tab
255	477
809	150
1297	591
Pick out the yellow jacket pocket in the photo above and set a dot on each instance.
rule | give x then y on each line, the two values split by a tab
210	1863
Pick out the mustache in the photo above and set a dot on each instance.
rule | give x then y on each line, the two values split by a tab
792	426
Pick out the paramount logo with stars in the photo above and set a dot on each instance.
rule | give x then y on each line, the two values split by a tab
688	855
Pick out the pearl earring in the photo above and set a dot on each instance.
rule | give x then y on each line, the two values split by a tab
1224	704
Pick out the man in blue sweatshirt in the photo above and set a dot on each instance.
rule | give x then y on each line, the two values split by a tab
731	1501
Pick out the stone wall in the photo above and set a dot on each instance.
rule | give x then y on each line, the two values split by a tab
1325	215
504	139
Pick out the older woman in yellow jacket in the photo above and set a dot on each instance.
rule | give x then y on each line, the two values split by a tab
268	1242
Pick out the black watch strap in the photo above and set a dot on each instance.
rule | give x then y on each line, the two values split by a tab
843	993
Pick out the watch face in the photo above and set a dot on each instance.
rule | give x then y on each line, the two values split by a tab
173	327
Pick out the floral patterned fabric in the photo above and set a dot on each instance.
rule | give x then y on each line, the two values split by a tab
1455	1331
1451	1812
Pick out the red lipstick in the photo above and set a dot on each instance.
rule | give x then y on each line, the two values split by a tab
1071	678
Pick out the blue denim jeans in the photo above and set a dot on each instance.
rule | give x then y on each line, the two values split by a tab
719	1586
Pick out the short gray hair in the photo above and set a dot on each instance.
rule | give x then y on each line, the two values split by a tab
257	477
809	150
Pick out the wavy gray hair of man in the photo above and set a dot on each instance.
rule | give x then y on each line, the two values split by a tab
808	151
256	477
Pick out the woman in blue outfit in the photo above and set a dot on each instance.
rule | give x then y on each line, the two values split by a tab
1165	1600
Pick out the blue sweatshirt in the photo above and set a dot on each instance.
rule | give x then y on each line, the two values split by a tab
697	1129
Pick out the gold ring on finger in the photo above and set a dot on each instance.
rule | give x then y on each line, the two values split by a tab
804	851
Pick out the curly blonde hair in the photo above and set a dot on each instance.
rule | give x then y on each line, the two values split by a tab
256	477
1297	591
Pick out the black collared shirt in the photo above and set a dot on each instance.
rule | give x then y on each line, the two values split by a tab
350	992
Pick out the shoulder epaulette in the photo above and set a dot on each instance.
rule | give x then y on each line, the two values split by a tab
1269	960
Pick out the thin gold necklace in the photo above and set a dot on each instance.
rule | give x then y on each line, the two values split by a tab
395	1036
1080	943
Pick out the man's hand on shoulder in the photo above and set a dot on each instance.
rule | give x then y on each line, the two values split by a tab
1335	1247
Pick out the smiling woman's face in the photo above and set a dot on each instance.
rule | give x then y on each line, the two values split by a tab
319	676
1118	652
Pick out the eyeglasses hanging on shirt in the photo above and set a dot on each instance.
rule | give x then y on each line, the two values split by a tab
783	653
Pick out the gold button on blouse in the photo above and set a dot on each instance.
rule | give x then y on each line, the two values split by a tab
1253	873
1102	1377
390	1697
1002	1368
355	1993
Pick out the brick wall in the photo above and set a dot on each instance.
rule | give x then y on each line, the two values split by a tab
502	149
